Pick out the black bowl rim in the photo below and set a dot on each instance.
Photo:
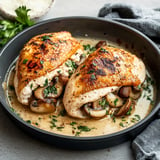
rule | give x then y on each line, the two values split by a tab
94	138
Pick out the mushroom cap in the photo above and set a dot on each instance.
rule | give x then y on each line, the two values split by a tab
38	7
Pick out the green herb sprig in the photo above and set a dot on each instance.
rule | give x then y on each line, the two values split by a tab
89	48
9	28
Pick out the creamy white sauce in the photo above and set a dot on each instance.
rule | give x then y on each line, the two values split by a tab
66	125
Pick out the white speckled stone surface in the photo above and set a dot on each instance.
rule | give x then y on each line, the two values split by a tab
17	145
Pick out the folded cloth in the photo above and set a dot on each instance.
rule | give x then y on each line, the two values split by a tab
146	20
146	145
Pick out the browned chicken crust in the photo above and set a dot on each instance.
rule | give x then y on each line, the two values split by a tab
106	67
44	53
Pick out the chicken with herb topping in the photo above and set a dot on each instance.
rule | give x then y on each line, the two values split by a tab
106	83
43	67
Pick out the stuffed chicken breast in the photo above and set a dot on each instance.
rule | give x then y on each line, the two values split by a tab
108	81
43	68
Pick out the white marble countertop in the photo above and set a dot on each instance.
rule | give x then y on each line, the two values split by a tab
17	145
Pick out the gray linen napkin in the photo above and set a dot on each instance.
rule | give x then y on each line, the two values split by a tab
146	20
146	145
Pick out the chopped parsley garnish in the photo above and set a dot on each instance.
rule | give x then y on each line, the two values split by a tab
73	123
139	86
149	80
114	119
39	118
41	62
137	116
121	124
89	48
53	116
123	118
90	71
60	128
50	42
36	72
147	87
54	120
71	64
83	66
94	64
150	99
102	50
25	61
70	72
73	126
12	109
77	133
83	55
84	128
59	71
44	38
77	74
93	77
53	125
115	101
28	121
31	85
92	49
129	111
46	83
78	129
56	44
49	89
107	112
103	102
60	41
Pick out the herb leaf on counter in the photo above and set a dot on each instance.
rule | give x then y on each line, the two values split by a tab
9	28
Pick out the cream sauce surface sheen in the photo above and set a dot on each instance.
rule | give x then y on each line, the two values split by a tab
59	122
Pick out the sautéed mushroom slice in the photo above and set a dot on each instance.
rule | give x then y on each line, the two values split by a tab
123	101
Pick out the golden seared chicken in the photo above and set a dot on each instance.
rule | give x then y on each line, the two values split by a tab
108	81
43	68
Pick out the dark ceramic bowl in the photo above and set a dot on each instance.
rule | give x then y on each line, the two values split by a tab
94	28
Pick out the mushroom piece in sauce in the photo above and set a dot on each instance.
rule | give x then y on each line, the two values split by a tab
39	106
95	109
